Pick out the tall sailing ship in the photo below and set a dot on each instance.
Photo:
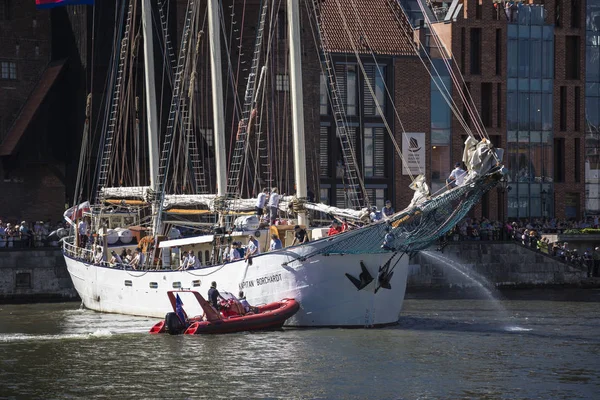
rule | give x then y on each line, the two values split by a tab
355	278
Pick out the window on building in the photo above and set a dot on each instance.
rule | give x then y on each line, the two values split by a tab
559	160
377	195
345	75
282	25
563	108
577	160
475	51
463	50
499	105
558	13
324	195
5	10
486	104
324	99
498	51
324	170
282	83
375	78
373	152
575	13
572	55
208	136
577	109
465	110
9	70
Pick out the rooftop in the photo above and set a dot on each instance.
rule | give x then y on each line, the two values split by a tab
363	24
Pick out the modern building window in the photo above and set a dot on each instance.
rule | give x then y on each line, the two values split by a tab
577	109
373	152
281	25
498	51
375	78
592	109
572	55
499	105
486	104
324	101
9	70
324	194
563	108
363	98
530	58
347	87
559	160
208	136
465	111
324	169
475	51
5	10
575	13
577	160
282	83
377	194
463	49
441	127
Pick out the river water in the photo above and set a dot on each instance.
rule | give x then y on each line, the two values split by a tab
442	349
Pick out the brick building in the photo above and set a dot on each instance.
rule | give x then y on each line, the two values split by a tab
524	65
39	82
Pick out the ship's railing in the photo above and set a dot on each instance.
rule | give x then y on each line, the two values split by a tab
70	249
88	256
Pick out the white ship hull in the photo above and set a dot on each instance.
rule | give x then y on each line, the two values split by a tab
326	295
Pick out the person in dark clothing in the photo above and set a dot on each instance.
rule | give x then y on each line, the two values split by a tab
213	295
300	235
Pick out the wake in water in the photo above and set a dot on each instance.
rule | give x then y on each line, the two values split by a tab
479	281
23	337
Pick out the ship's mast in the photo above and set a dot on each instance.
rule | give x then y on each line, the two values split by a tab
293	12
217	97
151	113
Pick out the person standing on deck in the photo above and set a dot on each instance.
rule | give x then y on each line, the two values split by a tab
273	206
261	201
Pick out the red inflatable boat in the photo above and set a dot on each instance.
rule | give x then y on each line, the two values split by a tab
232	316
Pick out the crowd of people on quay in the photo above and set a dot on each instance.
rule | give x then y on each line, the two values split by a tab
536	234
23	234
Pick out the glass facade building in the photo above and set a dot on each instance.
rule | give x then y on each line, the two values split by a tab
530	80
592	108
441	126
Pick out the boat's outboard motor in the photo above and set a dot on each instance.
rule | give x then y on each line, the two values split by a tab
173	324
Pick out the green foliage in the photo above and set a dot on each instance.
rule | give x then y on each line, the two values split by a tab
585	231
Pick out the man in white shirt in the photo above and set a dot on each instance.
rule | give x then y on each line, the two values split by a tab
260	202
82	228
273	206
457	176
252	248
193	261
235	255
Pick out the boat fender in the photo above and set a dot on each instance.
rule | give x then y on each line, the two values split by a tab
174	324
